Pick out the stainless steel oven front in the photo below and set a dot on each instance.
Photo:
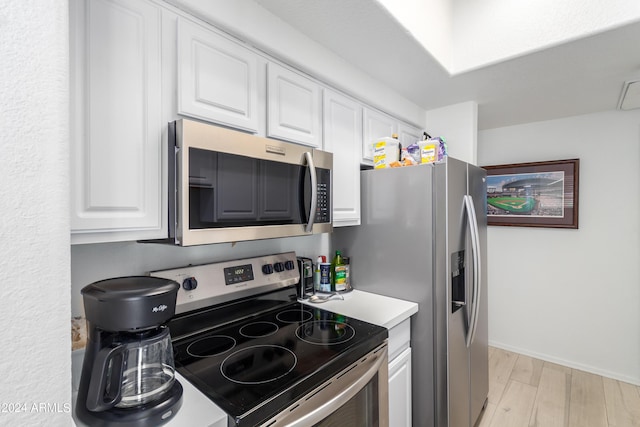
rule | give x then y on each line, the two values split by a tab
228	186
357	396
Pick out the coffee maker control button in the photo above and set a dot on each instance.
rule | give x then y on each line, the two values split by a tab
189	284
278	266
267	269
289	265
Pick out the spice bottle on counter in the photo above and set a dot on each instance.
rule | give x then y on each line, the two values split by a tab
347	281
324	275
338	273
316	275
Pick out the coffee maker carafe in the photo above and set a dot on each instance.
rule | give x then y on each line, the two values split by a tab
128	373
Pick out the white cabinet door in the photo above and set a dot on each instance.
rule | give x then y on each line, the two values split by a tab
117	191
400	390
217	78
408	134
376	125
294	107
343	137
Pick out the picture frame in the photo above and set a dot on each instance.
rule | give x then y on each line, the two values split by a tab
535	194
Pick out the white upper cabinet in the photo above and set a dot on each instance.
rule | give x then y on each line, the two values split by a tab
217	78
343	137
294	107
376	125
117	190
408	134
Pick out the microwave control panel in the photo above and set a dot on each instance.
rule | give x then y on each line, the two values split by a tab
323	207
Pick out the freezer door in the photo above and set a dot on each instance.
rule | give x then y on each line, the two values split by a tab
479	349
459	298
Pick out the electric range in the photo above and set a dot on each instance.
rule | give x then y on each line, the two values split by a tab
242	338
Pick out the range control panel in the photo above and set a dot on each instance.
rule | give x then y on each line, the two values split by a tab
210	284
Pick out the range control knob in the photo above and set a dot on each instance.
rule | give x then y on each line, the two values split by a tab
278	266
267	269
189	284
289	265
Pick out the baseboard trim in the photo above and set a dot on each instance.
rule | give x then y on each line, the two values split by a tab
567	363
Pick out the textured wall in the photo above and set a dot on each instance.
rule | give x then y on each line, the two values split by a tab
572	296
34	231
464	35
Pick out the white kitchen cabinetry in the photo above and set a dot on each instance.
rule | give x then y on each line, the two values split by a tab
408	134
117	190
400	390
376	125
294	111
343	137
217	78
400	374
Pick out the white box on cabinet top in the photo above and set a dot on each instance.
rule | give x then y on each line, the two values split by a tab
376	125
116	132
408	134
294	107
217	78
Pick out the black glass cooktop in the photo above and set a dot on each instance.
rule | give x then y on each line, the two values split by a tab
274	357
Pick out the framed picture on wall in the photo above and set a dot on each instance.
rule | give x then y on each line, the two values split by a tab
538	194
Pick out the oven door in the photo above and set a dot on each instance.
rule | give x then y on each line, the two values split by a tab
357	396
232	186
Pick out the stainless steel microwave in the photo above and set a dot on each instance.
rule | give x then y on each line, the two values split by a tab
230	186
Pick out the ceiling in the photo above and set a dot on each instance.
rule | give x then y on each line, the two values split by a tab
578	77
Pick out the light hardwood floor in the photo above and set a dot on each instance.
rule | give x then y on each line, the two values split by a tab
529	392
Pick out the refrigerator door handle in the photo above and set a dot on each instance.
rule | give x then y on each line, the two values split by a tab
475	249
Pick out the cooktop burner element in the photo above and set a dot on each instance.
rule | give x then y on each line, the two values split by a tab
246	343
258	329
294	316
325	332
211	346
258	364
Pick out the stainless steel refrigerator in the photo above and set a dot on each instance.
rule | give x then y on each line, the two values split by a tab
422	238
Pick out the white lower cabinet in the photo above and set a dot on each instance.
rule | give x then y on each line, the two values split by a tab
400	390
117	190
400	374
342	137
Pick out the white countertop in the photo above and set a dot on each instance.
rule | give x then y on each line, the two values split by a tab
373	308
196	410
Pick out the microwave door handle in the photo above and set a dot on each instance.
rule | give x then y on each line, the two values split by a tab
314	191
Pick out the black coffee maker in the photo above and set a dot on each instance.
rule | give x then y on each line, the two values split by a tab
128	373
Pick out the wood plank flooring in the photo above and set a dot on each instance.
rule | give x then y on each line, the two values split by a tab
528	392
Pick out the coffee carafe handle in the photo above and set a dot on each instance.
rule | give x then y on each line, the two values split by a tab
98	398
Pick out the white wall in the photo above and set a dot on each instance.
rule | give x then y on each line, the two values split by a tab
468	34
458	125
90	263
35	359
490	31
572	296
435	32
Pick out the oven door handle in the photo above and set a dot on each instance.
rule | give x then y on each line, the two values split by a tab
323	401
314	191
